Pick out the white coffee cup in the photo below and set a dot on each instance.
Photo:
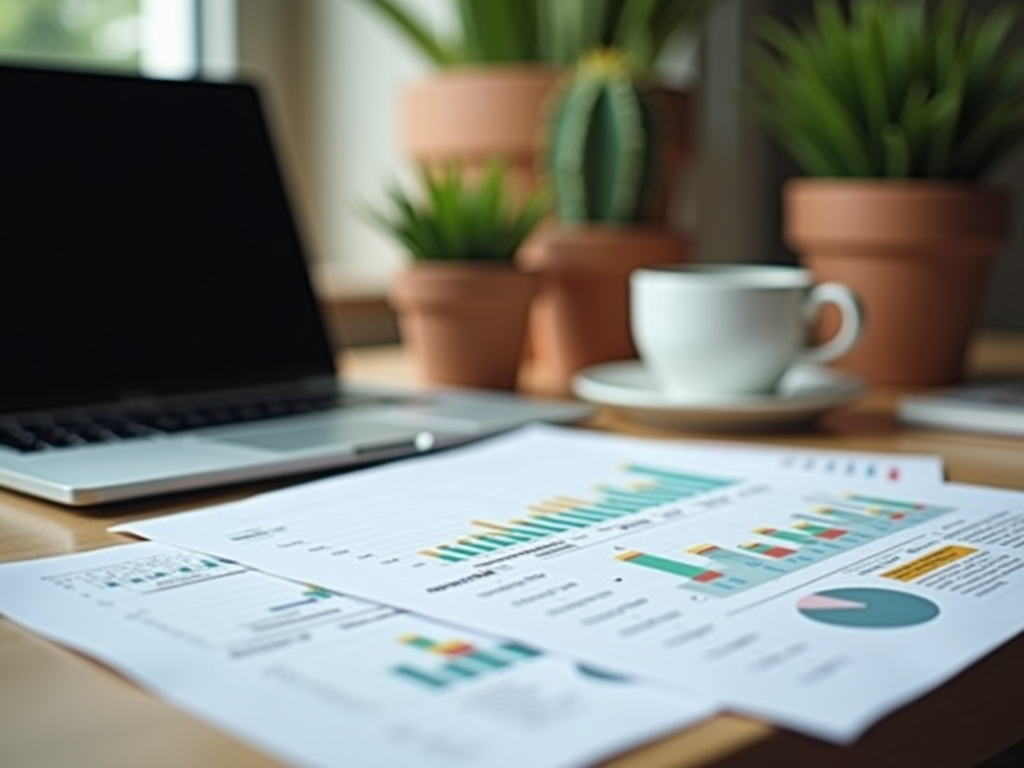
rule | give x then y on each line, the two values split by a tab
733	329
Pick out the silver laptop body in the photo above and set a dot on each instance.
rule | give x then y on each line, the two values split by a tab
158	331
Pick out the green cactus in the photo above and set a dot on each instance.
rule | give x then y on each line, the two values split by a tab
601	146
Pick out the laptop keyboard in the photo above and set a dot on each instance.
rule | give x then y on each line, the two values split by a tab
38	434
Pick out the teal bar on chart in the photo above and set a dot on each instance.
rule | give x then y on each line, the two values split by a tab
874	501
559	519
450	550
680	477
423	678
535	526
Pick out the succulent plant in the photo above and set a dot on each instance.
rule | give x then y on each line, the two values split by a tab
459	219
892	89
601	143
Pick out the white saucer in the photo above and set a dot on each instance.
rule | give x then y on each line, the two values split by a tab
804	393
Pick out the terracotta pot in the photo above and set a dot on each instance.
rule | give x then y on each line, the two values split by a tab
474	115
581	316
464	323
917	253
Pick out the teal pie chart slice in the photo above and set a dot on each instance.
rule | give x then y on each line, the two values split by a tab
867	608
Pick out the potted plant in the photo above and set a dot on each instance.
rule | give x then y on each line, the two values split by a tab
462	306
503	60
603	163
895	113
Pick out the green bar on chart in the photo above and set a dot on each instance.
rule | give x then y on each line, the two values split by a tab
461	669
488	659
493	538
505	530
589	516
450	550
441	556
576	514
535	526
423	678
775	533
674	567
588	507
625	498
475	545
615	505
680	477
519	651
658	492
558	519
883	502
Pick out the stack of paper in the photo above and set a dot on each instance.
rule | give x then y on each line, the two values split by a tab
606	589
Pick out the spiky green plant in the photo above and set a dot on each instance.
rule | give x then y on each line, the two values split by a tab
892	90
555	32
456	219
601	143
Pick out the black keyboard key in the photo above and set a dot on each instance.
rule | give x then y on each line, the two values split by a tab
19	439
101	428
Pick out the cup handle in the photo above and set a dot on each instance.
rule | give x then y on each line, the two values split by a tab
849	330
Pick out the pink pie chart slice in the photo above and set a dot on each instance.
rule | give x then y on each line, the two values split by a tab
826	603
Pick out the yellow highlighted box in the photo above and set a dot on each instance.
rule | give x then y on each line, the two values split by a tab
915	569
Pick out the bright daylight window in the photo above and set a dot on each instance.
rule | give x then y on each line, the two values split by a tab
153	37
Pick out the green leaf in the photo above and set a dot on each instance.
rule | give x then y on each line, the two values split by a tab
456	217
417	32
895	89
897	152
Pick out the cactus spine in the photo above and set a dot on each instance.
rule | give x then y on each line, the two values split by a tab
601	144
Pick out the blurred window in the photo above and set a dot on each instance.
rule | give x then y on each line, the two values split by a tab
152	37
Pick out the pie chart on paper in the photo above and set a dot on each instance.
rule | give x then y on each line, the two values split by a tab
867	608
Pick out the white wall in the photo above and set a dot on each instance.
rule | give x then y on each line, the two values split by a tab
362	66
334	71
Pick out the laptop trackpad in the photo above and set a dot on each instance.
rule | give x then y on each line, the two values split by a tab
328	433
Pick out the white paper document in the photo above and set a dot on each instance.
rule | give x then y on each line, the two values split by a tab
839	465
321	679
818	603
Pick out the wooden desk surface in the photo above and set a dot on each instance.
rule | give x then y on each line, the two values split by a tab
58	708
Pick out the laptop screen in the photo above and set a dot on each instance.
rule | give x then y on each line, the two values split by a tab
146	243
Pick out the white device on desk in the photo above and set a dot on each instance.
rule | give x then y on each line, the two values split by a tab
158	330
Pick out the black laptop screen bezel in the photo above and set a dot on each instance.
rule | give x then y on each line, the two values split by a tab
147	243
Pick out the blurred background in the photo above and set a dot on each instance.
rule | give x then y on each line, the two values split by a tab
332	74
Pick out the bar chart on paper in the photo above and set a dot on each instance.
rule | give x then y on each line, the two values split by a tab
479	522
145	575
648	488
211	602
457	660
825	527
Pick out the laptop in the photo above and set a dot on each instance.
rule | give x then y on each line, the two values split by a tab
158	329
